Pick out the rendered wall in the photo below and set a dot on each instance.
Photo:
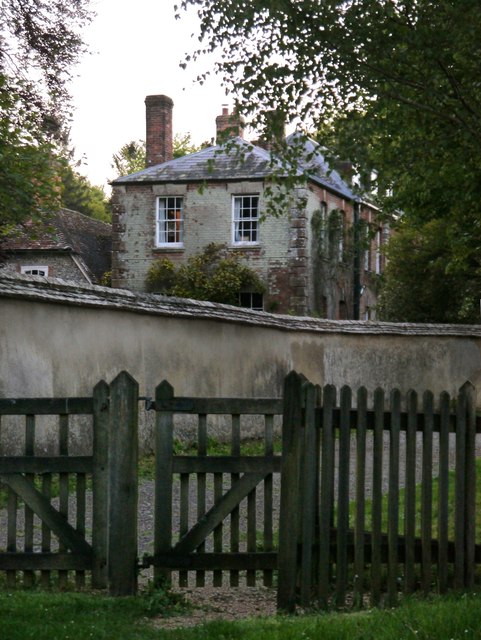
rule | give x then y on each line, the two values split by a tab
60	340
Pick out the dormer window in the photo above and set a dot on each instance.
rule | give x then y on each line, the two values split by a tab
245	219
170	222
34	270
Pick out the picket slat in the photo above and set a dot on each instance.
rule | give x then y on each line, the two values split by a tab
28	576
360	516
460	494
427	492
184	520
46	531
343	496
235	515
470	484
63	488
201	487
376	513
326	496
393	498
268	497
410	493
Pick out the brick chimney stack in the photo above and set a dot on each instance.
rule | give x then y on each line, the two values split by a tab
228	126
158	120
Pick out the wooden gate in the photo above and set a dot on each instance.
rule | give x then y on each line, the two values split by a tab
44	488
60	512
220	535
365	500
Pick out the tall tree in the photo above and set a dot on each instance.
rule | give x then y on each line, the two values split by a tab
131	156
390	84
78	194
39	42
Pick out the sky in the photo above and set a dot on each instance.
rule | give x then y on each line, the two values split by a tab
135	51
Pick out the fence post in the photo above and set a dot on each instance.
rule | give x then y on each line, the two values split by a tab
289	517
164	444
123	475
100	481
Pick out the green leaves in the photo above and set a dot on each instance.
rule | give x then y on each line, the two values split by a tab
393	86
215	274
40	40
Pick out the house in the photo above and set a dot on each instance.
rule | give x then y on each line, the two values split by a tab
320	258
69	245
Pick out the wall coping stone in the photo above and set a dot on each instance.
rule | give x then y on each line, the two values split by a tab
57	291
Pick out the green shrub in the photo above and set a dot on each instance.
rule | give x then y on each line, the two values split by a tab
216	274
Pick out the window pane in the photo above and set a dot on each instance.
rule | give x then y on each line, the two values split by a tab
250	300
246	218
170	222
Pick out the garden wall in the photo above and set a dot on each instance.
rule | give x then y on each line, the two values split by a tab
60	339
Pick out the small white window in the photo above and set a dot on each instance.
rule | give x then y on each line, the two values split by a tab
170	222
245	226
34	270
251	300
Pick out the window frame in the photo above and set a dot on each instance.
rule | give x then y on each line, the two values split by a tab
251	294
253	220
27	269
178	243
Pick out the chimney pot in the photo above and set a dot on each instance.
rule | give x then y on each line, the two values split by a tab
158	124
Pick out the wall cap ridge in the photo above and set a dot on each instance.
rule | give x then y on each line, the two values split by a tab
57	291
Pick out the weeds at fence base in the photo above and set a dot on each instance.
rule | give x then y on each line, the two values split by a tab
161	600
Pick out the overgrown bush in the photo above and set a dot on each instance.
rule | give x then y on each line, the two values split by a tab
216	274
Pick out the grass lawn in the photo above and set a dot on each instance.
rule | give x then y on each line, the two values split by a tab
59	616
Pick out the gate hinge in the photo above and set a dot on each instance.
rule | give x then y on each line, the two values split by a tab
149	403
146	561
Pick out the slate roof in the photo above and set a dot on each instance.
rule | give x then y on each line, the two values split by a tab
238	160
235	160
68	231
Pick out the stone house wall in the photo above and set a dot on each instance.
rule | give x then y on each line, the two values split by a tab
60	265
285	257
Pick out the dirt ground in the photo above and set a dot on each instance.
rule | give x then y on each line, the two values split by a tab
221	603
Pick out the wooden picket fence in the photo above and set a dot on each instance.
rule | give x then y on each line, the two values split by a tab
358	515
328	547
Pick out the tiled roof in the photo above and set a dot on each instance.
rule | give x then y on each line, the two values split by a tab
318	168
68	230
237	160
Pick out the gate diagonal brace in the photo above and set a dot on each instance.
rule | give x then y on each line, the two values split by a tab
39	504
223	507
